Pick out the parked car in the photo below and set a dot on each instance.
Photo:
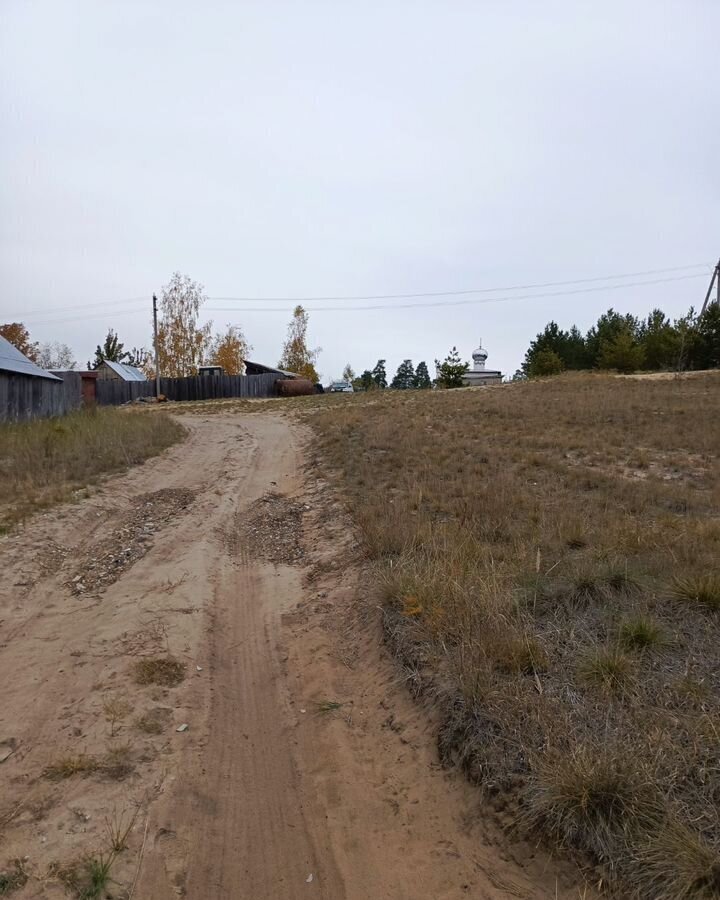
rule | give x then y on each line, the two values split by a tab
341	387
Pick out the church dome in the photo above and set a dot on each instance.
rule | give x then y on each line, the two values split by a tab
479	356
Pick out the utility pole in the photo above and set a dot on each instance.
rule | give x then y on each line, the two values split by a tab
715	280
155	340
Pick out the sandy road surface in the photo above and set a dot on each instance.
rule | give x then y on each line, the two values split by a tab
306	771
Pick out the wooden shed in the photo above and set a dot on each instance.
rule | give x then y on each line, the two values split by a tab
27	391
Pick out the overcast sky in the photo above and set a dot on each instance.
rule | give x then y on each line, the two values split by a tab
323	149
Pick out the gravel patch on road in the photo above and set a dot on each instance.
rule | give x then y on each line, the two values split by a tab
129	540
271	529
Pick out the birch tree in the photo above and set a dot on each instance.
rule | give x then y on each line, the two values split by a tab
182	342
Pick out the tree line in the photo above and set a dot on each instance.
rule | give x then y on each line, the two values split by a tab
183	344
626	343
450	374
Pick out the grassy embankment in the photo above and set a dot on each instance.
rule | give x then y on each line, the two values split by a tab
47	460
547	556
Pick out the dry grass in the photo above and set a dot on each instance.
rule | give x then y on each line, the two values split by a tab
545	555
702	589
89	877
67	766
641	633
163	670
150	723
607	667
117	763
47	461
12	878
118	828
115	710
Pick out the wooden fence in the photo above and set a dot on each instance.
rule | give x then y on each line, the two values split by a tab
25	397
28	397
194	387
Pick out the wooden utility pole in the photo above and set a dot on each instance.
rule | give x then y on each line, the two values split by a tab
155	341
714	281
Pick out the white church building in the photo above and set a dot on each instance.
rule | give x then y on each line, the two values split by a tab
479	375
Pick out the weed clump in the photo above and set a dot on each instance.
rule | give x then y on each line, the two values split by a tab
590	801
150	724
115	710
12	878
67	766
701	589
641	633
164	671
89	877
519	655
117	763
607	667
118	829
674	863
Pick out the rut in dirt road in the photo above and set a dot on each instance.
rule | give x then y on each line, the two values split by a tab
234	825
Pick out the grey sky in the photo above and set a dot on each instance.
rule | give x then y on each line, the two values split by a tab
327	148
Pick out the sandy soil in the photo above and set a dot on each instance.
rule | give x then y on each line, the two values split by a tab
305	769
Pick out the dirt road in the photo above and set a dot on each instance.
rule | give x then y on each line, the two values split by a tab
304	771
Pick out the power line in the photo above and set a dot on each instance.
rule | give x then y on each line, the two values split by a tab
102	303
60	320
114	309
490	290
474	301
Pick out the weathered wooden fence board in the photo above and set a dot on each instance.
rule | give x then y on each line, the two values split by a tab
109	392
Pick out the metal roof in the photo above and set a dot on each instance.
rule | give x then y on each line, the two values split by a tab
126	372
256	368
12	360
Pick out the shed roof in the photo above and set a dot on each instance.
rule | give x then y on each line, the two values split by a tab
12	360
126	372
256	368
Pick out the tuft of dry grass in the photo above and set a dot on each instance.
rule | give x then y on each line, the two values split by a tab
46	461
607	667
150	724
641	633
701	589
519	654
163	670
117	763
89	877
115	710
592	799
67	766
118	828
521	563
13	877
675	863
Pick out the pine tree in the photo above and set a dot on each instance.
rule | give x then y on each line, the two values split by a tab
422	376
621	352
452	370
365	382
545	362
112	350
379	375
404	377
